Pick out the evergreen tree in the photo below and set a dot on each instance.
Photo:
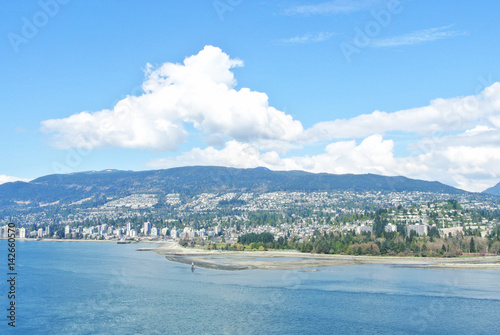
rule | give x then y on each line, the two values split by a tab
472	245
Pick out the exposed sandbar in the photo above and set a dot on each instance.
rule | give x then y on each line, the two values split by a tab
287	260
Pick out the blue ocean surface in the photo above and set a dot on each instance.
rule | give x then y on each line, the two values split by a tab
106	288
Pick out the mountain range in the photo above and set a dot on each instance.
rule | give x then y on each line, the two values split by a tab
192	180
495	190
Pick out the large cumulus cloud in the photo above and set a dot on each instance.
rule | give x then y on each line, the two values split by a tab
201	91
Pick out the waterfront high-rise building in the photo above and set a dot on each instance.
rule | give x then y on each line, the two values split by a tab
154	231
118	233
22	232
147	228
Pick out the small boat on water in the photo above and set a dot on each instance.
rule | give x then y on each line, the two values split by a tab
123	242
192	266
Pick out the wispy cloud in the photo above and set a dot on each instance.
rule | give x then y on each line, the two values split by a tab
331	7
8	179
418	37
307	38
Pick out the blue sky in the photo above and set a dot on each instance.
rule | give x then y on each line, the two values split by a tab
369	86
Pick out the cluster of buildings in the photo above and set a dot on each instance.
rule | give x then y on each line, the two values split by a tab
299	215
134	201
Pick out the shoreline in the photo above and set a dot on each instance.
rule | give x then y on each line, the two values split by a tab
289	260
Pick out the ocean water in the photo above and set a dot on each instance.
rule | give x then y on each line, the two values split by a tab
106	288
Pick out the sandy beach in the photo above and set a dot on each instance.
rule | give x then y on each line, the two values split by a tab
286	260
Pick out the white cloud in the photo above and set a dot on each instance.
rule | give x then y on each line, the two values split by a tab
418	37
8	179
201	91
441	116
331	7
471	168
307	38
